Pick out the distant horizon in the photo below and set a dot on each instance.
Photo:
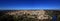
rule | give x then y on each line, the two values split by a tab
29	9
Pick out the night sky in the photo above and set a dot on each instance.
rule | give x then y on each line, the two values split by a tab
29	4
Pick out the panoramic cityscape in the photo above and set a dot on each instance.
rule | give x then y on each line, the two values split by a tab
29	10
29	15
